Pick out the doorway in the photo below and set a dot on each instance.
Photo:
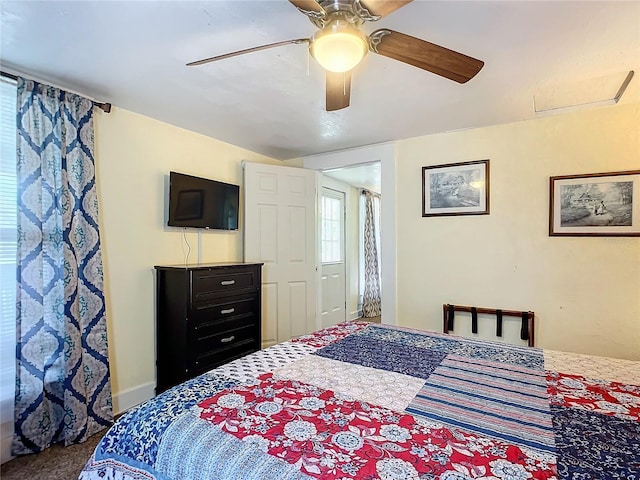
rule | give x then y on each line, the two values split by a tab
356	179
385	153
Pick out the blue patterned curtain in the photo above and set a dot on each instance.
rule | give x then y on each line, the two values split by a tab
371	298
63	391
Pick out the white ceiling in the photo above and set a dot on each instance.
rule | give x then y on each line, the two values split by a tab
133	54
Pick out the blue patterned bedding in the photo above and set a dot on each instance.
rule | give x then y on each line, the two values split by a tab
365	401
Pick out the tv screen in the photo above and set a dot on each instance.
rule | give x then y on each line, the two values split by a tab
202	203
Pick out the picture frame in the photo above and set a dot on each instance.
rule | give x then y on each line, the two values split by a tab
595	204
456	189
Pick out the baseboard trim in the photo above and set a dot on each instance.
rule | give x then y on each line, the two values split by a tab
129	398
354	315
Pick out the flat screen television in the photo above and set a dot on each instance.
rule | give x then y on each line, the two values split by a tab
202	203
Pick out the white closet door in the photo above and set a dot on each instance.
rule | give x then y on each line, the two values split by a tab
279	230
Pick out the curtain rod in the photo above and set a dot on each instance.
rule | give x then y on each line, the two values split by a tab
104	106
364	190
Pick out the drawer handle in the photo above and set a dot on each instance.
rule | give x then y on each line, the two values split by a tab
228	310
228	339
227	282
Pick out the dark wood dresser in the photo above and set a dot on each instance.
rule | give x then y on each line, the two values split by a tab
206	315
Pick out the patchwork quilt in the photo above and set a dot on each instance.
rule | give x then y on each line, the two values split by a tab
365	401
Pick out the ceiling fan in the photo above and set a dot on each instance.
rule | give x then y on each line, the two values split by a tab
339	45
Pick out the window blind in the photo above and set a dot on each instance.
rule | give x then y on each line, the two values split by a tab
8	238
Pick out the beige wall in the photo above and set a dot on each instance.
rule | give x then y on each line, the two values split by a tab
585	291
134	155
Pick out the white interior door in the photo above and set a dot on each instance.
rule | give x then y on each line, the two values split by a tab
279	230
332	254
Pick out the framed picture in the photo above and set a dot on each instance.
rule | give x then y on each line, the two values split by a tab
456	189
595	204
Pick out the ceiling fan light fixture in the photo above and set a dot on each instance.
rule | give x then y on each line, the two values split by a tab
339	47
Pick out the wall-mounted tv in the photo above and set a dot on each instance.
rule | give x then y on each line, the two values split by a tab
202	203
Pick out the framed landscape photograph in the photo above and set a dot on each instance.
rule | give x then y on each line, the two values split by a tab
456	189
595	204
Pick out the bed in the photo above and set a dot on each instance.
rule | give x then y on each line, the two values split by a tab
367	401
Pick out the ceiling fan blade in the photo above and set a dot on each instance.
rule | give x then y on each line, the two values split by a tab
310	8
382	8
247	50
422	54
338	90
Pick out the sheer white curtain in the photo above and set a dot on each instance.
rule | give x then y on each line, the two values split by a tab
370	278
8	236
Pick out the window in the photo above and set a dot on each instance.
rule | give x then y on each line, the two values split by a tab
332	224
8	237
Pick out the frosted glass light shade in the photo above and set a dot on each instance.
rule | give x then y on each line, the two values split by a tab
338	48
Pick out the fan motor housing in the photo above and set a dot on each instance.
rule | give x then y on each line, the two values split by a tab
351	11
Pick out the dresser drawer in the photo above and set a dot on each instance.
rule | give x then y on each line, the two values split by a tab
222	326
208	284
226	339
213	350
210	360
218	308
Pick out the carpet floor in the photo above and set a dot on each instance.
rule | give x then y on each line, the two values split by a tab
55	463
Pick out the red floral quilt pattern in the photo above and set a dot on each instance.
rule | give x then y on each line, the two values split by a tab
324	337
328	435
608	398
